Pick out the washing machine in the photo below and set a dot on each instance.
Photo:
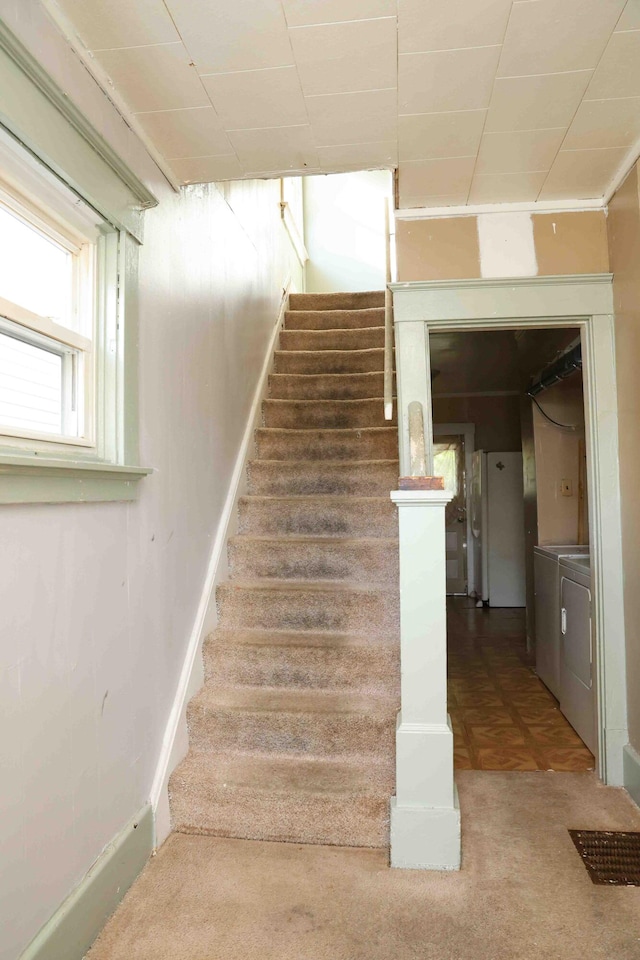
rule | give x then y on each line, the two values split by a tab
547	609
577	680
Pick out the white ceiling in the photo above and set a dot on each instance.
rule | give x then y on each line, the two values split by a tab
475	101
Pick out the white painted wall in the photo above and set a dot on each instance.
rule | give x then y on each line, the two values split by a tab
98	600
344	230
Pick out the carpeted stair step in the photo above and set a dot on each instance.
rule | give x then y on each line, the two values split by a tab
328	361
310	723
360	300
302	660
333	319
332	414
356	339
365	478
308	605
283	798
318	516
326	386
366	443
311	558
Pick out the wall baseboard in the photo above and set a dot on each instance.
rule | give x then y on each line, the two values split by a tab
176	739
631	772
78	921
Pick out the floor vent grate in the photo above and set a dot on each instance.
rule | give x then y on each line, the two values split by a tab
611	857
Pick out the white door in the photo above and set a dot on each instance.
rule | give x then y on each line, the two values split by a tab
505	544
576	660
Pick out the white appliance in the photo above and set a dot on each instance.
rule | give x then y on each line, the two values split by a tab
497	525
547	609
577	688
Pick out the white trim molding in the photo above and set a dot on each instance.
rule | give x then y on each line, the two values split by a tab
476	209
632	772
586	302
175	742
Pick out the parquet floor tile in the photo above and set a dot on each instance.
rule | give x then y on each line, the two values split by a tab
503	716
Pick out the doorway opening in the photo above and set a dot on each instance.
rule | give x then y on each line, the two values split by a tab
509	437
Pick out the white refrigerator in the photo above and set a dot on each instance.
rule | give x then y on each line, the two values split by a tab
497	526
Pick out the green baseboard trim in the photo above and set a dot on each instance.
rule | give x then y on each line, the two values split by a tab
631	772
78	921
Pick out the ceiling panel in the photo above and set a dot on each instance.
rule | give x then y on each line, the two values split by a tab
120	23
426	136
582	173
618	73
279	148
604	123
518	151
343	57
257	98
353	117
532	103
355	155
301	12
565	46
240	35
479	101
506	187
433	25
158	77
195	132
447	80
204	169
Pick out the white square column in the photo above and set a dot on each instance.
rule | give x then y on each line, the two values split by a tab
425	818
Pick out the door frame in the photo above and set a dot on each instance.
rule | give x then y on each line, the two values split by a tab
468	431
586	302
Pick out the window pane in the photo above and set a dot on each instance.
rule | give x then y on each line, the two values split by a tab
35	273
30	387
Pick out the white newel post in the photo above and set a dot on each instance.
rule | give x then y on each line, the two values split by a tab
425	819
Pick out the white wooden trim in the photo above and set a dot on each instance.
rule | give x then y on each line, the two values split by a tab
293	233
585	302
632	772
475	209
175	741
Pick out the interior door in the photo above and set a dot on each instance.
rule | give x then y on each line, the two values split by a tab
448	455
506	548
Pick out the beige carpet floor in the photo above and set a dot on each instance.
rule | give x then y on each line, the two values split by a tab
523	892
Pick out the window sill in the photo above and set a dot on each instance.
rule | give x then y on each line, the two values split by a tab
35	479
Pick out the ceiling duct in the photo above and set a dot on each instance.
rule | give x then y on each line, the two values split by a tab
560	369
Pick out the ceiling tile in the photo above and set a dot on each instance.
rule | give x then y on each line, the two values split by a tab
604	123
506	187
120	23
343	57
533	103
156	77
447	80
257	98
186	133
552	36
240	35
630	19
206	169
618	73
302	12
433	25
354	117
358	155
518	151
431	178
582	174
431	135
276	149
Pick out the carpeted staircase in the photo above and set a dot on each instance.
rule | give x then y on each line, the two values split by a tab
292	734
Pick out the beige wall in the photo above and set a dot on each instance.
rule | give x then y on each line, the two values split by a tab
557	458
497	419
624	247
449	248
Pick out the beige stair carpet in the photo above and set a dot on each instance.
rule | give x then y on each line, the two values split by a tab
292	735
